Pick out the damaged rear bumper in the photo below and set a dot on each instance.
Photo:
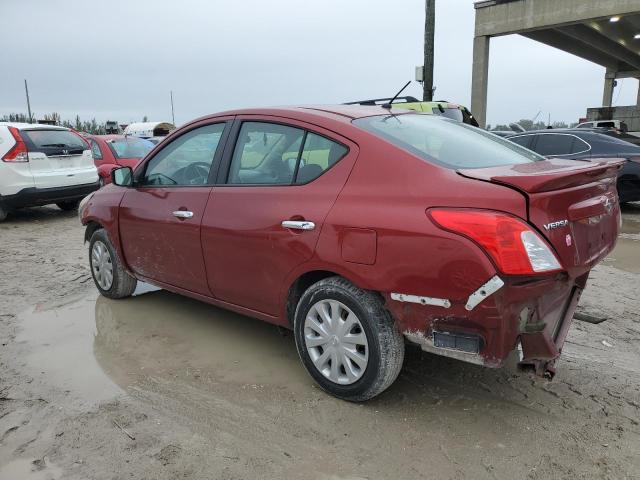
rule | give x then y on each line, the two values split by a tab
503	314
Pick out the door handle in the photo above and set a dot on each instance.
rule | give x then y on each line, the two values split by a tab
298	225
183	214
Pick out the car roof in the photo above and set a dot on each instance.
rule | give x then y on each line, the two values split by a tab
572	131
31	126
343	113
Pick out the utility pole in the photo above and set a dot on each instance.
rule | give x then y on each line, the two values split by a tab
26	89
429	27
173	118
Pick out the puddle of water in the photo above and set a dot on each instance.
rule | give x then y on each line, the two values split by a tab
97	348
626	255
26	469
165	335
60	343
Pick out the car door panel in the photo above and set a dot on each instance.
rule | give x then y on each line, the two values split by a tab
248	253
157	244
160	224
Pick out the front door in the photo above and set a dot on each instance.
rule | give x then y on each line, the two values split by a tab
266	219
160	216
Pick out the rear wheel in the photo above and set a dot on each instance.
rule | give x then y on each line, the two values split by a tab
109	276
347	340
3	213
68	205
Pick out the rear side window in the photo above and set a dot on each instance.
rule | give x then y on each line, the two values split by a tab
54	142
586	125
523	140
559	144
274	154
318	155
446	142
606	124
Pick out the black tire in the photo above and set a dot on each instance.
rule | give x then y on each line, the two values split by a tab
123	285
3	213
68	205
385	342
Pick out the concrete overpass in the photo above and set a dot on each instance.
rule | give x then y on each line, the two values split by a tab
605	32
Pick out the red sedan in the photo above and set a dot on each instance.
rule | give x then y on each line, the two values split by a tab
360	228
114	151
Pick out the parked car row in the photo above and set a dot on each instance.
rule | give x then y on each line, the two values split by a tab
585	144
359	228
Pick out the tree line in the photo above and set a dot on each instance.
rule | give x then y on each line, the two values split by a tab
530	125
89	126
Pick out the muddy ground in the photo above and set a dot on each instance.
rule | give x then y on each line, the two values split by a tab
163	387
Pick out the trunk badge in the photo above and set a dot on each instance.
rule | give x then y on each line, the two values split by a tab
557	224
568	239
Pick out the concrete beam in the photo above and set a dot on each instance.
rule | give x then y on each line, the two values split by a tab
526	15
600	42
628	74
557	39
607	93
480	79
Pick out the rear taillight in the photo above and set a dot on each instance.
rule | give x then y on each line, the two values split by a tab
513	245
18	152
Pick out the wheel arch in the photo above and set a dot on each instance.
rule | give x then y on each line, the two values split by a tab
90	229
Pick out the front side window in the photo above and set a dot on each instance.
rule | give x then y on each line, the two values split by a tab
95	150
187	160
446	142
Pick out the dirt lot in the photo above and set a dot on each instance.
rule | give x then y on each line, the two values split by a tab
163	387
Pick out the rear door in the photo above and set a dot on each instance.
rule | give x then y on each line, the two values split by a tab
160	216
58	158
280	181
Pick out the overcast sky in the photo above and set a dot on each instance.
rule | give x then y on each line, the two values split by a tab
119	59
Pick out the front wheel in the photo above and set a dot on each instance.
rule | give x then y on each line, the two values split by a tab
347	340
109	276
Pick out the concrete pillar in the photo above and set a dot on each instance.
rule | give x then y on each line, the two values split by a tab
607	94
480	78
638	99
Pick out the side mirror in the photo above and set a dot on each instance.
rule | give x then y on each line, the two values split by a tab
123	176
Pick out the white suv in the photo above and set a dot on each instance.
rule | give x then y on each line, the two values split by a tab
43	164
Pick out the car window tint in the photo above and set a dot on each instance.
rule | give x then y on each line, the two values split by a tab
130	147
524	140
555	144
265	154
453	113
446	142
319	154
187	160
95	150
606	124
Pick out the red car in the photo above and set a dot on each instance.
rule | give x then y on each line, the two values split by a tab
360	227
114	151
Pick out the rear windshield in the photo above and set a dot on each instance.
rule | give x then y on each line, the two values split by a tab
131	147
454	113
446	142
54	142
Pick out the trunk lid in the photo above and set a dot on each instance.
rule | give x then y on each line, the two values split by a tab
573	204
58	157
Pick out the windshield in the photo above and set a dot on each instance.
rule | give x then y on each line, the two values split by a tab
130	147
446	142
